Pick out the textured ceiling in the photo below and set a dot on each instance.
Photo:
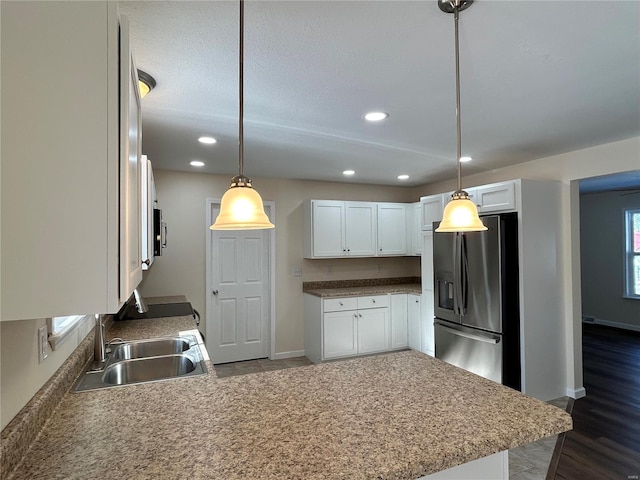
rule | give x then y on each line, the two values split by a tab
538	78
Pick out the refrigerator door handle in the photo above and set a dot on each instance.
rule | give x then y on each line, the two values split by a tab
464	275
493	339
456	274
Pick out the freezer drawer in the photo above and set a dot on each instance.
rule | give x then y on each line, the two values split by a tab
474	350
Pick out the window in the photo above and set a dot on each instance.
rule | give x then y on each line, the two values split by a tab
632	253
61	327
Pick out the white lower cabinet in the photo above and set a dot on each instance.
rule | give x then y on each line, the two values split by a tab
373	330
413	321
399	321
350	326
340	334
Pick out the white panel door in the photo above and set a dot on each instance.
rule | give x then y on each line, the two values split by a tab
373	330
339	332
360	229
240	269
328	229
392	229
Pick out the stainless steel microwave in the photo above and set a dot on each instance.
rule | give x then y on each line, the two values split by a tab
159	232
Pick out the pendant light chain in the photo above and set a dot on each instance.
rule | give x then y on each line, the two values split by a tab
241	95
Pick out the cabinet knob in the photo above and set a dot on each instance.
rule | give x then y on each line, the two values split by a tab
348	249
147	262
374	300
215	292
341	304
355	315
360	315
344	249
380	249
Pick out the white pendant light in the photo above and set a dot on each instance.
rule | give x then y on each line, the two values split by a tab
241	206
460	214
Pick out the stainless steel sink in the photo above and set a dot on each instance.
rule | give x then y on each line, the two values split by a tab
147	369
150	348
146	361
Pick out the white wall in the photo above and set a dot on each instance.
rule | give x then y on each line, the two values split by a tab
181	269
602	252
21	376
568	168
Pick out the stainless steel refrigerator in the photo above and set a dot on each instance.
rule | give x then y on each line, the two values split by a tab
476	304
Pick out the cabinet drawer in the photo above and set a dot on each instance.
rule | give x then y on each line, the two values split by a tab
339	304
373	301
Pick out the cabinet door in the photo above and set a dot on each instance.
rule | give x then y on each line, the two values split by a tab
427	261
431	210
146	224
130	170
373	330
416	229
498	197
392	229
339	332
413	321
399	320
426	324
360	228
328	228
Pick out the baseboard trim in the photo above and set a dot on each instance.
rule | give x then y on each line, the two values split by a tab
608	323
576	394
291	354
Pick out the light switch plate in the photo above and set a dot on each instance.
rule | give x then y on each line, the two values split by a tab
43	344
297	271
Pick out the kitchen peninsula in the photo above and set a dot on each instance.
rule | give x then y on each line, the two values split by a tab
401	415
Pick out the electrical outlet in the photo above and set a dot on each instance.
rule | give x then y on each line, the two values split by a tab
297	271
379	267
43	344
330	270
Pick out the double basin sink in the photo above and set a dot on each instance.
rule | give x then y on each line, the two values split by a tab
146	361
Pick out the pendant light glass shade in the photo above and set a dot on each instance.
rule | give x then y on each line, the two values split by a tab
460	215
241	208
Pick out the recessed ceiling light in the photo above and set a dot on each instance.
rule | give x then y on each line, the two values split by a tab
349	172
403	177
196	163
465	159
375	116
207	140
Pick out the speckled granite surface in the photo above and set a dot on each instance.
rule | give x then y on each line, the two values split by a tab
394	416
366	290
20	433
364	282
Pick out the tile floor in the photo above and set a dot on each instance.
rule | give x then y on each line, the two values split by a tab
528	462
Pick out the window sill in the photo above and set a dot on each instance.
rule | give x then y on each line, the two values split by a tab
58	338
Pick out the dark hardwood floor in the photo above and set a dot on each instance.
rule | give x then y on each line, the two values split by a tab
605	440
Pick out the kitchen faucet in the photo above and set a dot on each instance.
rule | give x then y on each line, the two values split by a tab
99	345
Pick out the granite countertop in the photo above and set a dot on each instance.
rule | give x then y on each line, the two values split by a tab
394	416
366	290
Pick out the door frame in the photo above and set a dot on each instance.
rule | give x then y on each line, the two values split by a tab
270	210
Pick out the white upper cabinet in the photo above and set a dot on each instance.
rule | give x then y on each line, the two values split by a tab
392	229
148	195
497	197
431	210
65	172
339	229
360	229
328	228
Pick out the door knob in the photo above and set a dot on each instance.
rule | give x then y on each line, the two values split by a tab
215	292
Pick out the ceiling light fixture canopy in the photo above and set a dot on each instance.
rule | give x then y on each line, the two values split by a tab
241	207
146	83
460	214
